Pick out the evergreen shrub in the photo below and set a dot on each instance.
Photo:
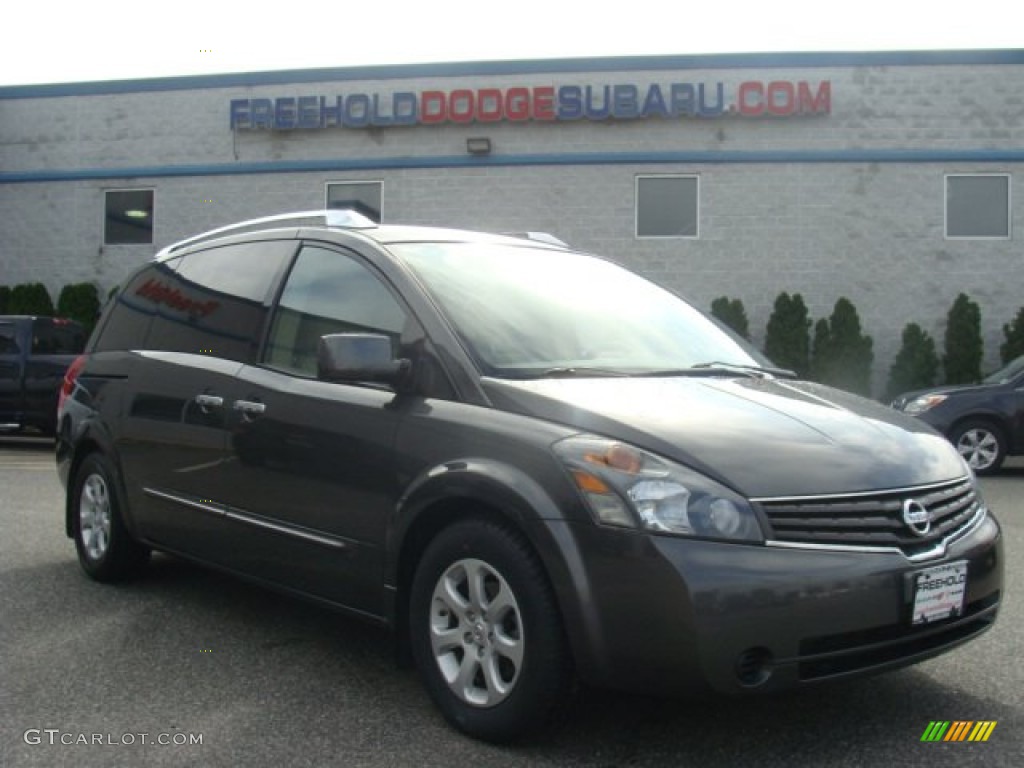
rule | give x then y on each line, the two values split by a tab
1013	347
842	355
916	364
963	344
787	341
732	313
81	302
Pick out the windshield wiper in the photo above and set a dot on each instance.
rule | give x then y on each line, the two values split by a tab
749	370
717	368
569	372
710	369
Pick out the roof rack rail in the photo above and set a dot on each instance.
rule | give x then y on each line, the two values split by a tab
540	237
331	217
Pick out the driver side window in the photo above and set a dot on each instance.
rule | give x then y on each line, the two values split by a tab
328	292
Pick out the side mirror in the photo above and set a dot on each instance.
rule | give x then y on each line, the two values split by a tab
359	357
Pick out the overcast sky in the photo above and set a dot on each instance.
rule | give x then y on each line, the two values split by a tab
56	41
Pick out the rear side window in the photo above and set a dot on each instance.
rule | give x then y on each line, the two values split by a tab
329	292
55	337
126	321
216	301
8	340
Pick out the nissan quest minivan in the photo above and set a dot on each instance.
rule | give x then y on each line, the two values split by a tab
535	466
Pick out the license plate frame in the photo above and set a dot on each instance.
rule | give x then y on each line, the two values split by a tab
938	593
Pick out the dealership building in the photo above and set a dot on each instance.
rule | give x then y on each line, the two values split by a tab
883	177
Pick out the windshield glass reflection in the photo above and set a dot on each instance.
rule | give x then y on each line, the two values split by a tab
525	312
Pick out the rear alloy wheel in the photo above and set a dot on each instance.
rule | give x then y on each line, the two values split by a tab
106	550
486	634
981	444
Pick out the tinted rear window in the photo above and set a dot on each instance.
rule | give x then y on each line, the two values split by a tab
127	319
211	302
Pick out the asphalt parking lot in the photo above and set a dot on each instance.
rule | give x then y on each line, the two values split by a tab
139	674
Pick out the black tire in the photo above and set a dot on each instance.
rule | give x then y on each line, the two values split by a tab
519	681
106	551
982	445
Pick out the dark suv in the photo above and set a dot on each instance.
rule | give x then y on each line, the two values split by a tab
984	421
533	464
34	354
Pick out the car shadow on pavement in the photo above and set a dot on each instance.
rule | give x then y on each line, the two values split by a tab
29	443
862	722
1008	471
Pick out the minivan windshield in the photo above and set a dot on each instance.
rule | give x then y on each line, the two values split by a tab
525	312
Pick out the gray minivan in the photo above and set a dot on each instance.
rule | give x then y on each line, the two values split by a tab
536	466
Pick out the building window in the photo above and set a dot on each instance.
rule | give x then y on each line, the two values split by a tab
978	206
129	217
360	196
666	206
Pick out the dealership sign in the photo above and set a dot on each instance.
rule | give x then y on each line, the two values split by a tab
751	98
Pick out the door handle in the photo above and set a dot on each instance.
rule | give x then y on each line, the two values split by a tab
248	408
208	401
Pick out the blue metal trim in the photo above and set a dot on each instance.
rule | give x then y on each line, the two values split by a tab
580	158
524	67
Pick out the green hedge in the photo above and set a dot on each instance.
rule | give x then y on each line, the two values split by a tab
29	299
80	302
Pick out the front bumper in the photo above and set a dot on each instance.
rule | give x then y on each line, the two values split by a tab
673	615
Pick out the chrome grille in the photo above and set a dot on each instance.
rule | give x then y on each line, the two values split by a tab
874	520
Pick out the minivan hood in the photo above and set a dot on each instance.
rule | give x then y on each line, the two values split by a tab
762	437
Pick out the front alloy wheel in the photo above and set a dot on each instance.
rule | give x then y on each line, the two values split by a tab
486	632
476	633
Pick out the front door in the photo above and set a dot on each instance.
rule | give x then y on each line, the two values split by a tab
311	463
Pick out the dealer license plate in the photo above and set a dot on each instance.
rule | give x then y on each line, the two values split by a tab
939	592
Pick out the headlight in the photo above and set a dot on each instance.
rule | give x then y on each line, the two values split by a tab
631	488
923	403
